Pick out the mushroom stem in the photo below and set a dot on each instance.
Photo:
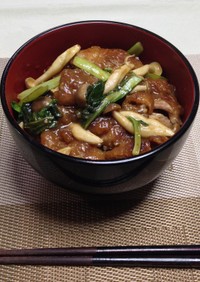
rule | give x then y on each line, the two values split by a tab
141	71
82	134
55	68
65	150
116	77
152	128
153	67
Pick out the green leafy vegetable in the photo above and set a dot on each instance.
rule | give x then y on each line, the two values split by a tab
16	107
136	49
36	122
91	68
98	103
94	97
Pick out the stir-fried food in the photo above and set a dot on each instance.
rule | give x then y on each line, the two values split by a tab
100	104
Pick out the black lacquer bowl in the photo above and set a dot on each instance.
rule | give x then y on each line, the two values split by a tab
101	177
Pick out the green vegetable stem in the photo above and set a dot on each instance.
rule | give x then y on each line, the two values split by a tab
91	68
137	135
33	93
136	49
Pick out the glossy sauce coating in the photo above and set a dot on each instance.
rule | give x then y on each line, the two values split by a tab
158	100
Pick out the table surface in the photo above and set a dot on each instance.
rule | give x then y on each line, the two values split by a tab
177	21
35	213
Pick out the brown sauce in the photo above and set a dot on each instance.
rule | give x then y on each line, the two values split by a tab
159	98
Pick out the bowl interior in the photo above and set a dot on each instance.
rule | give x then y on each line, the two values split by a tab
37	54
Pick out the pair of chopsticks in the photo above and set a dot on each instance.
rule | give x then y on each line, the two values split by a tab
180	256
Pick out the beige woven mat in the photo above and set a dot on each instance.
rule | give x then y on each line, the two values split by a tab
36	213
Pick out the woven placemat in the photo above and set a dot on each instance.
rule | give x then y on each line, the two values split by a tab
36	213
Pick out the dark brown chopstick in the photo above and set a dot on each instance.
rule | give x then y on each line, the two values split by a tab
49	252
172	262
178	250
185	256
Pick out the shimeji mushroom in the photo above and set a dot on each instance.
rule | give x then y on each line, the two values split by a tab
65	150
55	68
116	77
140	88
151	127
82	134
153	68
